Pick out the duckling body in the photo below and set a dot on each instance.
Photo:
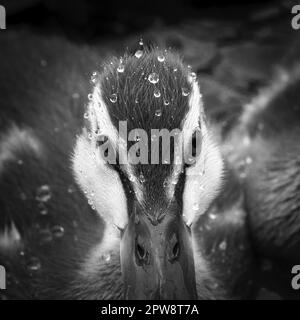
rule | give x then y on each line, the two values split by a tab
53	246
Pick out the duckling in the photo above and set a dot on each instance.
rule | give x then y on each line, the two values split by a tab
95	203
76	224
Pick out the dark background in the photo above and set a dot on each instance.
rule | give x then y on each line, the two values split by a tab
235	47
89	19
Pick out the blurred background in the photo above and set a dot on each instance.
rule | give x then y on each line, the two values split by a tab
214	37
235	47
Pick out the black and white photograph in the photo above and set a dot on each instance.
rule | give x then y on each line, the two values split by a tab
149	150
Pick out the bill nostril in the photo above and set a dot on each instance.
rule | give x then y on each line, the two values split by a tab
176	250
141	253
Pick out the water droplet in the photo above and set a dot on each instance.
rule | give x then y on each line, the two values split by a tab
153	78
90	136
90	96
158	113
142	178
113	98
121	67
185	92
43	209
43	193
136	101
34	264
94	77
193	76
86	115
212	216
138	53
166	102
249	160
223	245
161	58
106	257
157	93
175	69
57	231
141	42
131	178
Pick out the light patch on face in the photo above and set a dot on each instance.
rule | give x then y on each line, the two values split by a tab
101	124
100	183
15	140
10	238
102	253
204	177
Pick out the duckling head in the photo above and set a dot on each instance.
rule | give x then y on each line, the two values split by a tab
149	166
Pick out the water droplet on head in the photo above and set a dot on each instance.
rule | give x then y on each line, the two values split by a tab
158	113
113	98
138	53
94	77
106	257
43	209
33	264
161	58
193	76
166	102
121	67
212	216
43	193
157	93
57	231
153	77
86	115
185	92
142	178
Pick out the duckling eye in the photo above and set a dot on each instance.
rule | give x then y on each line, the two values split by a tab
194	148
101	140
106	150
